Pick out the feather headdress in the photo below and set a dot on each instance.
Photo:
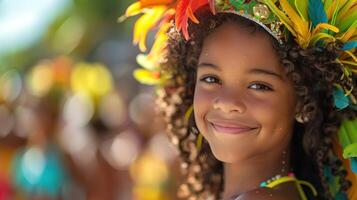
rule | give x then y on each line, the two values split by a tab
311	22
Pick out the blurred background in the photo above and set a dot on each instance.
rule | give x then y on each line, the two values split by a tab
74	124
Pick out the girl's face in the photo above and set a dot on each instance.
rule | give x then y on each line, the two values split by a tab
244	104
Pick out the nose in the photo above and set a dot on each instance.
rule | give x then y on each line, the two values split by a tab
229	101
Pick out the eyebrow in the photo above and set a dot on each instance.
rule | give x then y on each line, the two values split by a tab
251	71
266	72
209	65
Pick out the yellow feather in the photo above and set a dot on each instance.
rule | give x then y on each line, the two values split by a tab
344	2
302	7
327	5
346	12
348	19
146	77
188	114
133	9
346	9
332	8
281	15
319	36
301	26
349	62
141	27
145	23
325	26
354	36
349	33
159	44
160	38
352	56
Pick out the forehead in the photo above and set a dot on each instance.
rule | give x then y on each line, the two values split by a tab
235	44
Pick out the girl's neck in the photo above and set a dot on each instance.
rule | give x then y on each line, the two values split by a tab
247	175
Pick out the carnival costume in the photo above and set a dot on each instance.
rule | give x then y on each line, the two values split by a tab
312	23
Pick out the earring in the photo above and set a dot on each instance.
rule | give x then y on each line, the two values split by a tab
301	118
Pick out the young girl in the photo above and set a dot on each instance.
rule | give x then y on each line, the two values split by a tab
254	93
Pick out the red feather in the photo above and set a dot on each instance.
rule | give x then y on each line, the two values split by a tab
150	3
185	9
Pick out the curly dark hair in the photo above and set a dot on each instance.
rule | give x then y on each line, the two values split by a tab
313	72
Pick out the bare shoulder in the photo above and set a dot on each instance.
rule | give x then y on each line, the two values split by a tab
264	194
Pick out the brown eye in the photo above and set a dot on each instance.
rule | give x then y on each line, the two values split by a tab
260	87
210	79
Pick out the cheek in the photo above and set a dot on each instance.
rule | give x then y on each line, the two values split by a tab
201	105
275	114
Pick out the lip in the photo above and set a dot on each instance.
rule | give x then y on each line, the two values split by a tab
230	127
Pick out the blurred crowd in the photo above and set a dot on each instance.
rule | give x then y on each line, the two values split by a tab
74	124
68	132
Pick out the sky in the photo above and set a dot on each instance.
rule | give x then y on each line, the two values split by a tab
23	22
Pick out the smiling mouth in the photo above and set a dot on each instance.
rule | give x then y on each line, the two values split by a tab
230	129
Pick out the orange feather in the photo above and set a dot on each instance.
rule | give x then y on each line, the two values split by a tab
184	11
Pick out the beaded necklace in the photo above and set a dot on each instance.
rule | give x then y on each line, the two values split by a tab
279	179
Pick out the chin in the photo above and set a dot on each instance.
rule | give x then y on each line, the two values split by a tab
231	156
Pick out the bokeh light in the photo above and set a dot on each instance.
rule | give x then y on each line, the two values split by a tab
78	110
122	150
74	123
6	121
40	79
112	110
11	85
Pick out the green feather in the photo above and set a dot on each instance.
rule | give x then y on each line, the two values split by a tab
237	3
319	36
347	21
350	151
345	9
335	13
349	31
343	136
327	4
348	138
301	7
351	128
